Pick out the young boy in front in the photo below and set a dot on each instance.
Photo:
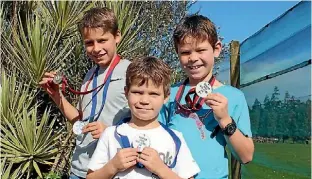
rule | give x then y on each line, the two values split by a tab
102	106
216	119
142	140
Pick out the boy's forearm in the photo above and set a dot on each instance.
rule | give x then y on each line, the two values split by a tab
241	145
108	171
68	110
167	173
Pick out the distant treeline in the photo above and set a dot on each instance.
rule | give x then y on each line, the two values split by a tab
285	119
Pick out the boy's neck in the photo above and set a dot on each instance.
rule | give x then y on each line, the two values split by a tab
142	124
194	82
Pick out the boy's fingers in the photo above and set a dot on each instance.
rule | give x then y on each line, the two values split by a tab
149	151
214	98
130	164
213	102
88	126
92	124
144	156
129	150
91	128
45	80
95	132
141	160
130	159
50	74
96	136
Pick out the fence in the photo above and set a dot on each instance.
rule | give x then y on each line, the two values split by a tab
275	76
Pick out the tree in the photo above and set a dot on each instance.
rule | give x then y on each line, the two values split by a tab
264	118
42	36
273	115
255	114
282	130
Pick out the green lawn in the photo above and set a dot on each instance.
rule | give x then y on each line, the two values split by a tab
285	161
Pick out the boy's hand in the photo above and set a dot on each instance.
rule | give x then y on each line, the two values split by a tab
219	105
124	159
96	128
151	160
47	84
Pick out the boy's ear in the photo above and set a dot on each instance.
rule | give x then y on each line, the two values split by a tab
126	92
118	36
218	48
166	99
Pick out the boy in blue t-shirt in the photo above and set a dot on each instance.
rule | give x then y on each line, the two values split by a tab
215	119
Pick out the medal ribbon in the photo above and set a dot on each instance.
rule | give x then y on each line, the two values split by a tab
106	83
191	105
189	109
110	69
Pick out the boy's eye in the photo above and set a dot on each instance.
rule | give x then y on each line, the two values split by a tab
185	53
154	94
88	43
137	92
102	41
201	50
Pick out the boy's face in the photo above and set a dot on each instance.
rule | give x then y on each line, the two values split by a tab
100	47
197	58
145	101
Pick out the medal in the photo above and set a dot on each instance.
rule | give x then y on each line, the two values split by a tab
141	141
77	127
58	78
203	89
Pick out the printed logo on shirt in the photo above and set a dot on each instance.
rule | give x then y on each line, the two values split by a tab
166	158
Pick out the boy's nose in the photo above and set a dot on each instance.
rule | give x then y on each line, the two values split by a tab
193	58
97	48
144	100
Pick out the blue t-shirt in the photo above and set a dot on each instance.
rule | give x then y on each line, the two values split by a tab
208	152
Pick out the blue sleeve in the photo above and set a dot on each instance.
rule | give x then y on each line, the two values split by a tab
241	116
163	115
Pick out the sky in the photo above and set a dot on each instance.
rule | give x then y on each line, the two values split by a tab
240	19
280	46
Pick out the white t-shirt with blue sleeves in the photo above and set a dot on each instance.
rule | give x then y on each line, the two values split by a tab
209	153
160	140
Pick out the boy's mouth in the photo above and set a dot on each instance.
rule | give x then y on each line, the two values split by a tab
142	108
99	56
193	67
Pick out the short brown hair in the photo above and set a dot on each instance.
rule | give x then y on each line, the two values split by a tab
99	17
149	68
196	26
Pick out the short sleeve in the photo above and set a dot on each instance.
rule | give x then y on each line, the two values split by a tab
186	166
163	115
100	156
242	118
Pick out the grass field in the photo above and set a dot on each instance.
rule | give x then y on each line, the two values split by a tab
274	161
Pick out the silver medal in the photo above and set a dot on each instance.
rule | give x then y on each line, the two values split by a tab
203	89
77	127
58	78
141	141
